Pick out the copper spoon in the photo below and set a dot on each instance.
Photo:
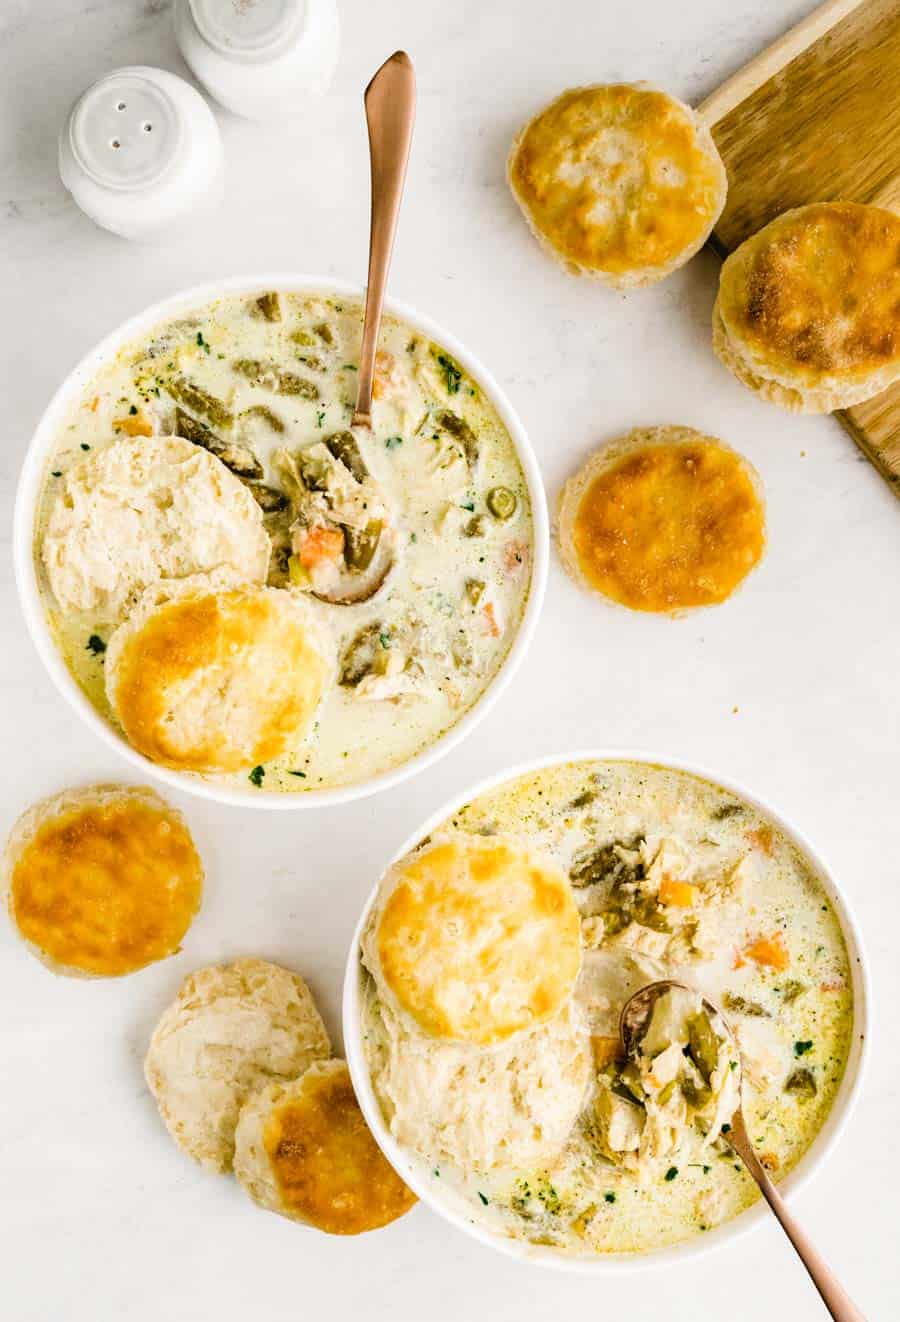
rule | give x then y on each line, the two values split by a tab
390	103
633	1022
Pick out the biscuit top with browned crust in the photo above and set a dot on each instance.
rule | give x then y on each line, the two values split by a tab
328	1169
816	294
478	939
616	179
107	884
671	524
217	681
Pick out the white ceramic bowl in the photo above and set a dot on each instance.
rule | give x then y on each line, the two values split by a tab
594	1264
29	488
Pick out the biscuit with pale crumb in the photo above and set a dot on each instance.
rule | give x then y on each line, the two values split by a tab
231	1029
509	1108
144	509
621	182
102	881
664	519
808	310
475	939
211	676
304	1150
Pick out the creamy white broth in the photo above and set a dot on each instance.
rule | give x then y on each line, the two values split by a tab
447	614
789	1023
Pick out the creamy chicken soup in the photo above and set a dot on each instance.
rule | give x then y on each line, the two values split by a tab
413	543
674	878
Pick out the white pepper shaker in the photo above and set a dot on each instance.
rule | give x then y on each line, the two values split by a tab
260	58
141	153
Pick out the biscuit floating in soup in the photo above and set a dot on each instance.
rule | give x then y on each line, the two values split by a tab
213	676
102	881
664	519
220	443
554	1136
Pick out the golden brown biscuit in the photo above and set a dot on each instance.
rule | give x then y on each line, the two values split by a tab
621	182
304	1150
663	519
213	678
476	939
102	881
808	311
231	1029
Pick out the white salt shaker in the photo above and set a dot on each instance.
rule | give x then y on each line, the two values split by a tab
260	58
141	153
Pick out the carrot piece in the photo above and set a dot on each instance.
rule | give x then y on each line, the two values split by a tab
94	402
605	1050
680	893
493	627
769	950
136	425
320	543
386	377
761	838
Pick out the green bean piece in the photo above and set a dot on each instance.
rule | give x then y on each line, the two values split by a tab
324	332
458	427
270	306
288	384
313	471
665	1094
263	411
703	1044
302	337
474	590
648	913
694	1094
199	401
740	1005
239	458
345	448
630	1080
802	1083
361	544
615	920
502	503
311	361
269	499
607	864
360	655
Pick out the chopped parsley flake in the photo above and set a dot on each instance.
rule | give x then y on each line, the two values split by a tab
610	1197
671	1173
256	776
201	343
726	1129
96	645
468	505
57	472
320	417
482	1197
301	774
133	410
85	446
384	638
393	441
801	1048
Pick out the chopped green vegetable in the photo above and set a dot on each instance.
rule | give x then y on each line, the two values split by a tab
239	458
133	411
475	526
361	544
801	1048
671	1173
727	810
393	441
344	446
301	774
703	1044
802	1082
740	1005
793	989
458	428
57	472
84	446
201	343
270	306
256	776
269	499
609	1197
452	374
193	397
474	589
502	502
95	644
263	411
482	1197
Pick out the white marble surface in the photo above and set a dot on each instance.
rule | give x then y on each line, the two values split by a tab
792	687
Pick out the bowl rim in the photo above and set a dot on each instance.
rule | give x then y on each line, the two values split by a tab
26	510
613	1264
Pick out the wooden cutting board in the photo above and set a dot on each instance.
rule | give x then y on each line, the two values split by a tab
813	118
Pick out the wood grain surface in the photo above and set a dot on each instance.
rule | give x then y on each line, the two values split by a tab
813	118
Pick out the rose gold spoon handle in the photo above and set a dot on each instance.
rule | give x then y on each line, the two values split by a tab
390	103
633	1022
835	1298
